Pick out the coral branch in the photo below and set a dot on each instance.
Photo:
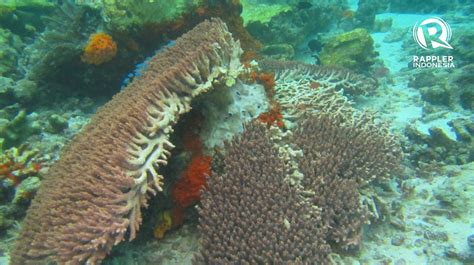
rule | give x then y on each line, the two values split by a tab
326	77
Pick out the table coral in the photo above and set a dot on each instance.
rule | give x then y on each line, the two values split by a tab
101	48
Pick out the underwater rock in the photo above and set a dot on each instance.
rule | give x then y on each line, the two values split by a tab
398	240
16	125
22	91
436	95
293	26
464	129
261	12
395	35
455	193
383	25
127	14
463	89
354	50
436	235
464	41
25	91
365	13
425	78
470	241
227	110
57	123
427	6
438	147
10	47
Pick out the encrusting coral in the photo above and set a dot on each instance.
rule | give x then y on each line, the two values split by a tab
93	194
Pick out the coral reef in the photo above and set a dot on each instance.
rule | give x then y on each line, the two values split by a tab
261	12
341	154
16	125
101	48
122	15
353	50
257	192
66	31
292	26
442	89
294	76
438	147
250	214
10	46
19	181
109	167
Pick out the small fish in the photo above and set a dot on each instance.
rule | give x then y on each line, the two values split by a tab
304	5
315	45
317	61
348	14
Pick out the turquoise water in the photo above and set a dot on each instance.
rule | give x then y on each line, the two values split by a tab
281	132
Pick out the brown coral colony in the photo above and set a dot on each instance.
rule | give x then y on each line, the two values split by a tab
266	205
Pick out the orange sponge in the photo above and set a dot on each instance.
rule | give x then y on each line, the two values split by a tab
101	48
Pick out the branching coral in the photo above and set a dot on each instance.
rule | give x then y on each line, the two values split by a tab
340	155
251	215
255	206
17	164
19	181
93	194
306	75
101	48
